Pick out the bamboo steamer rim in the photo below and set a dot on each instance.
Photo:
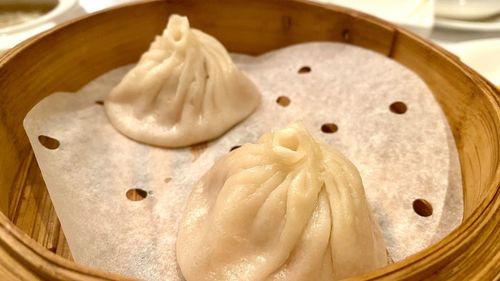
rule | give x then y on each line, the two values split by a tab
472	244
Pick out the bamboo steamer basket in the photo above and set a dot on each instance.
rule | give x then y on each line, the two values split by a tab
32	245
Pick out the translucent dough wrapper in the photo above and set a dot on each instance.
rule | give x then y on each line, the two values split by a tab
285	208
184	90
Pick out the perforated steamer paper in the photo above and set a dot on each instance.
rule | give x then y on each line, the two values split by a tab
401	157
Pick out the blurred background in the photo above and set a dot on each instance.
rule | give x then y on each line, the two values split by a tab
468	28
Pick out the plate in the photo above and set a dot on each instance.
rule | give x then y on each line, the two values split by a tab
14	34
490	25
467	9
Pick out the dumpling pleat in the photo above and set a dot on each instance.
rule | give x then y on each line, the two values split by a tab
184	90
285	208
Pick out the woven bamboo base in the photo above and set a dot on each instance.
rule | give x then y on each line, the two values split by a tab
31	210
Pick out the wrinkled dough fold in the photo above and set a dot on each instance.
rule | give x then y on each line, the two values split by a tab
184	90
285	208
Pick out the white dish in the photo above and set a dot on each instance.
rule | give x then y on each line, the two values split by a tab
490	25
482	55
14	34
467	9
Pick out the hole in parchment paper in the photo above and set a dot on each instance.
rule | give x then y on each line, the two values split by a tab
48	142
283	101
99	102
329	128
235	147
136	194
422	207
398	107
304	69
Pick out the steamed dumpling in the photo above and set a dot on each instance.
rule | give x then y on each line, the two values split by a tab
285	208
184	90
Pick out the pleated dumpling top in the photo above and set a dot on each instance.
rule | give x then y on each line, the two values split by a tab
184	90
286	208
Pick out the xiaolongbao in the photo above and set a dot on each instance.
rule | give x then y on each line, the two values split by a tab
285	208
184	90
